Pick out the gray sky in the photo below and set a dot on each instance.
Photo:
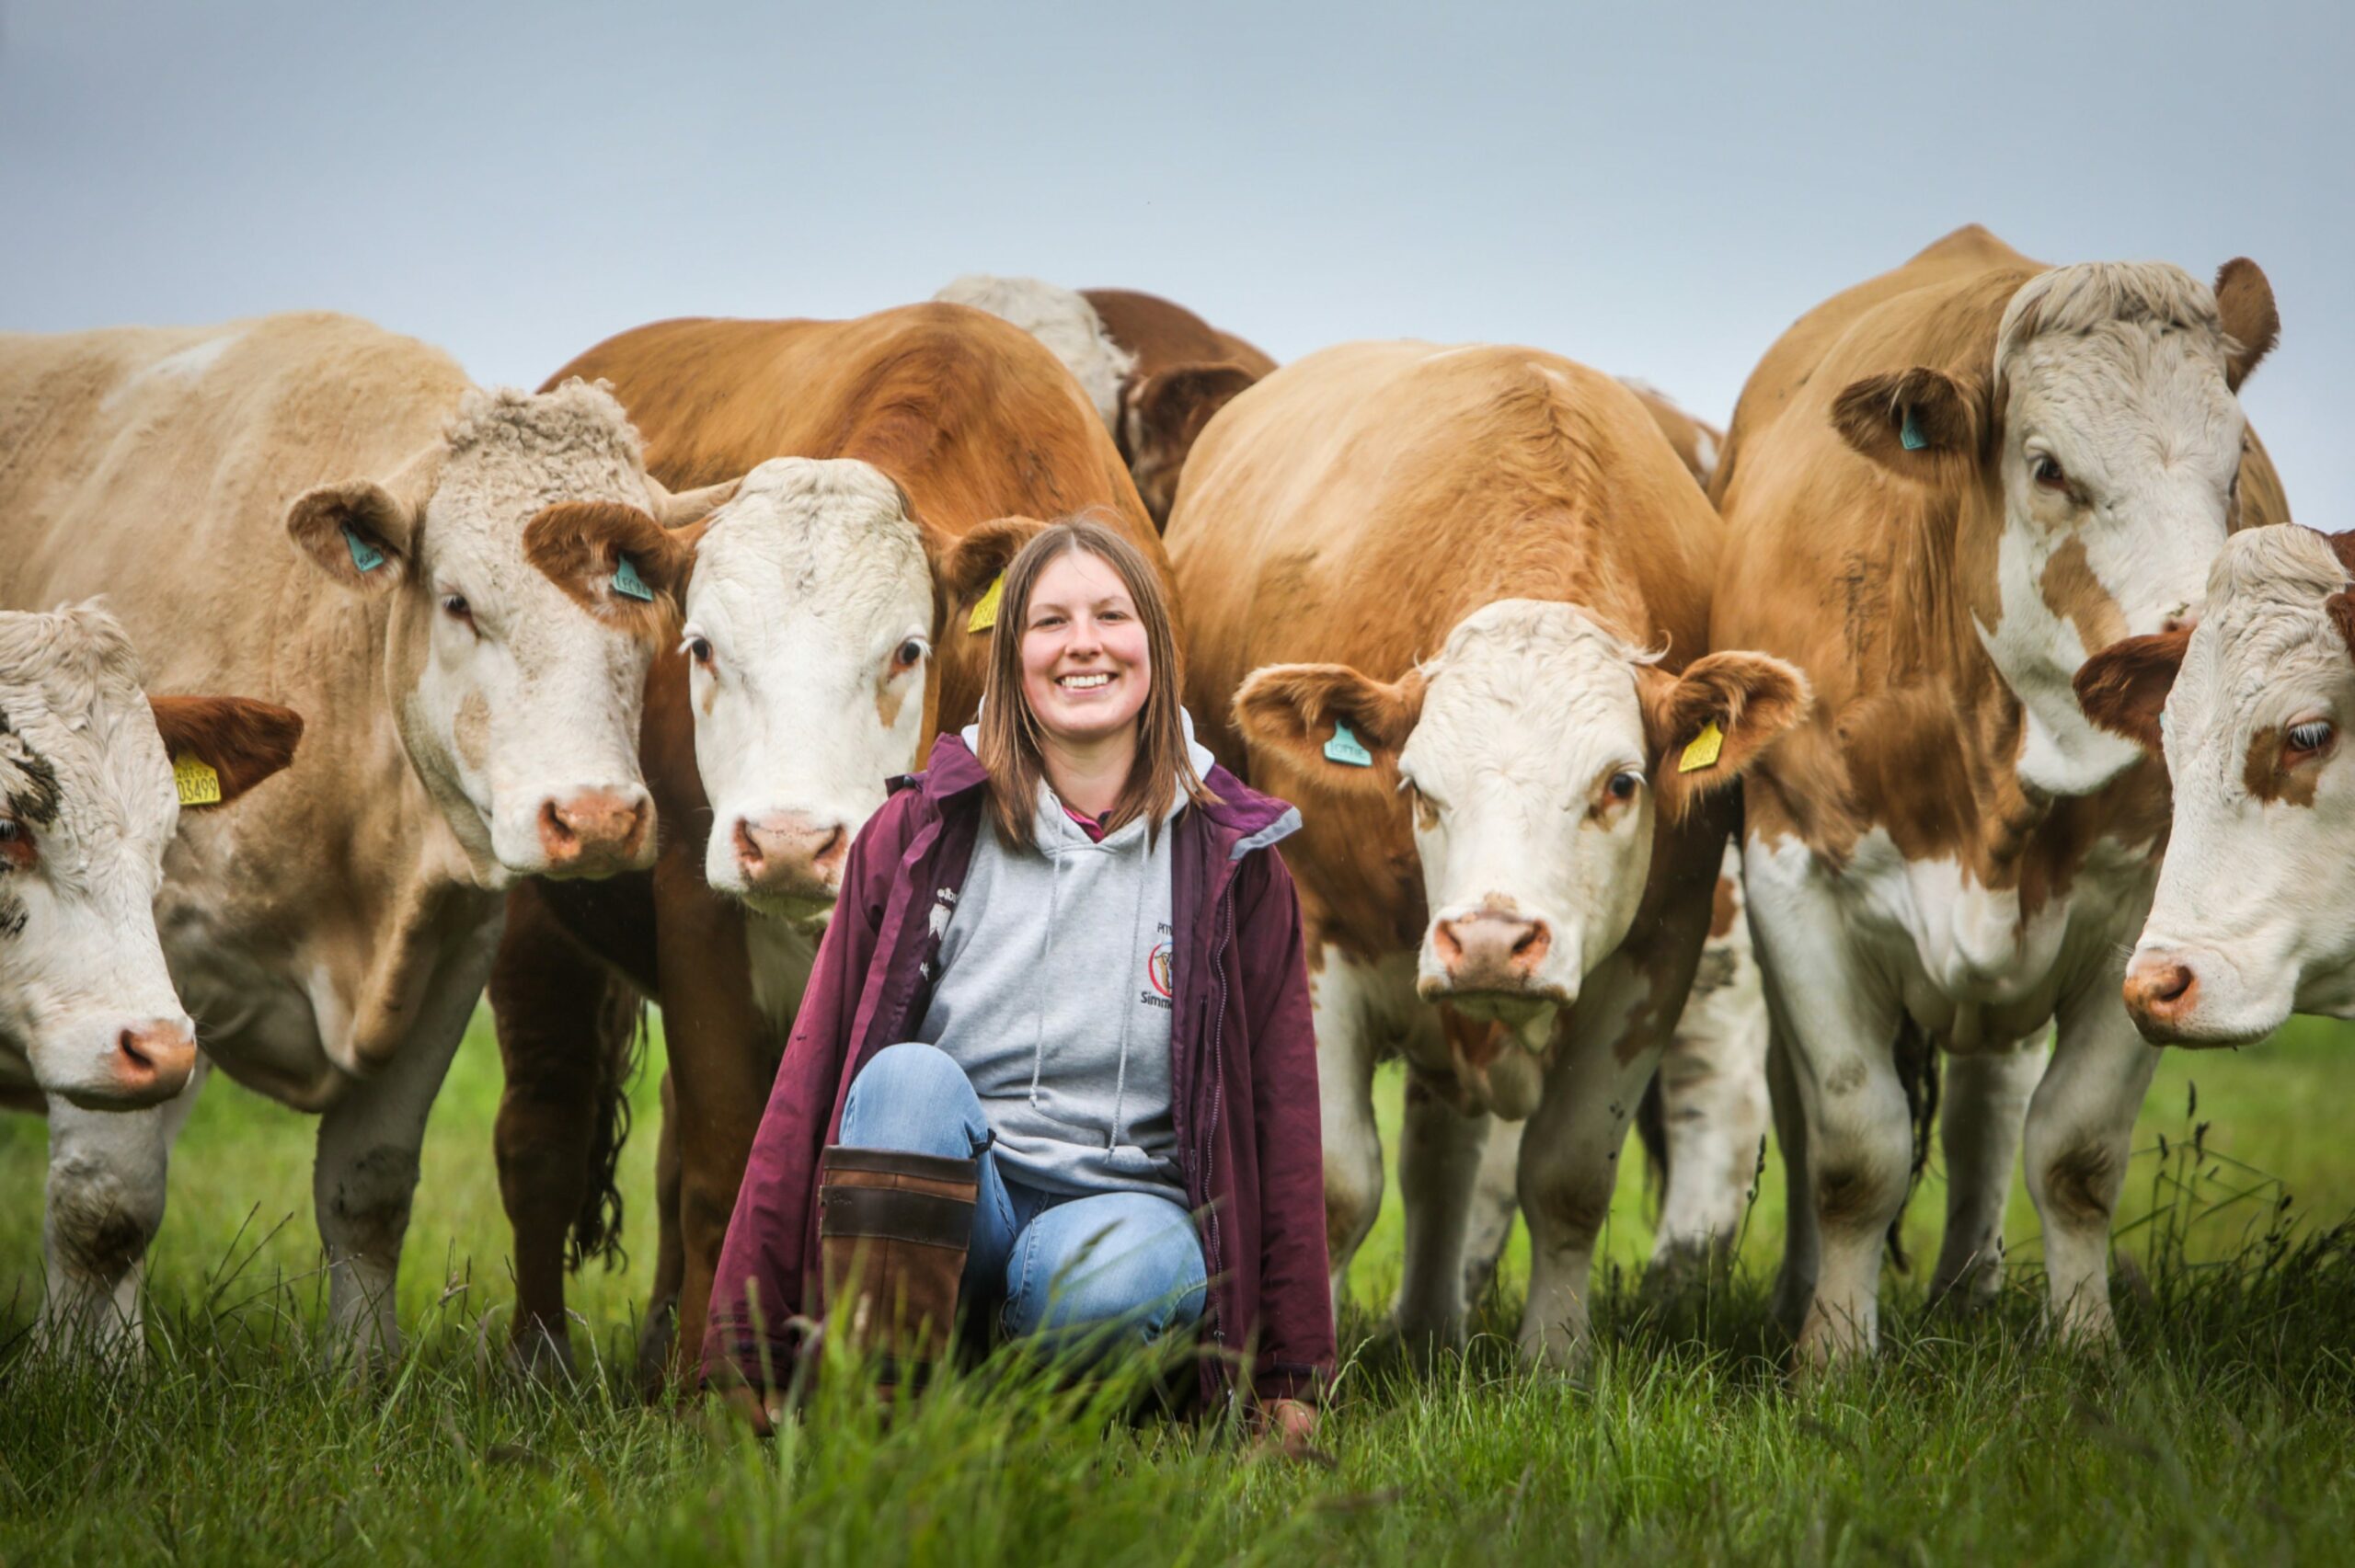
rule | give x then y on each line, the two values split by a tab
1654	190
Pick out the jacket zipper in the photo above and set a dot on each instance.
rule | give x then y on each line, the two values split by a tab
1222	928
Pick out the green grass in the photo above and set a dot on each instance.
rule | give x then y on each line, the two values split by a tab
2219	1435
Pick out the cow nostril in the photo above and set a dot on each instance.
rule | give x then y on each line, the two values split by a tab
553	829
2173	984
130	1044
1528	940
1451	950
747	849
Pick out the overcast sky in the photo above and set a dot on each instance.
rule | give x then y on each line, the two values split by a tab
1655	189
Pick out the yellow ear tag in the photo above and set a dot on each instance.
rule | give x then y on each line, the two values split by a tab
984	613
1703	752
198	782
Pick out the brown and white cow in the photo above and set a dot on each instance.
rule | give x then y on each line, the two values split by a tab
2255	914
1943	488
1454	600
832	627
1156	371
468	721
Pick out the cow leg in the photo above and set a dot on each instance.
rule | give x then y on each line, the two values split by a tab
661	1330
2080	1130
549	1006
107	1181
1439	1162
365	1174
1495	1201
1346	1052
1794	1282
1713	1109
1569	1170
1985	1104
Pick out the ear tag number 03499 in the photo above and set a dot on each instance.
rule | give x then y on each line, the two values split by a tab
1909	435
984	613
198	780
1346	748
1703	752
629	584
364	555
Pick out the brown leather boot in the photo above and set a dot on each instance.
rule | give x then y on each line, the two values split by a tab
893	1228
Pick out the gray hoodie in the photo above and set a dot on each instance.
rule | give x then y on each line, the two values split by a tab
1053	994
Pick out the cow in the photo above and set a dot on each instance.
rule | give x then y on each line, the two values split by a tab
2252	919
1698	443
829	633
1156	371
1943	488
331	517
1453	603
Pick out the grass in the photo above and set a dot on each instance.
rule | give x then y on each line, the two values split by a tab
2219	1435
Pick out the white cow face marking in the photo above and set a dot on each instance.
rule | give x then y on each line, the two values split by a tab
809	624
2255	913
519	711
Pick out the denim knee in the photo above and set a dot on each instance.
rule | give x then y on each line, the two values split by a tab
1123	1259
911	1096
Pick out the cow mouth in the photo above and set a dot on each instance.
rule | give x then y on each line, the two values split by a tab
1516	1010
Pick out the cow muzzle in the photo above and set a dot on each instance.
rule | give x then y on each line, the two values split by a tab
1493	962
2173	1004
595	832
791	856
145	1063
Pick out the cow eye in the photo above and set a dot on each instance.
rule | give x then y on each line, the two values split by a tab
454	606
2308	739
907	655
2047	471
1622	785
698	646
15	843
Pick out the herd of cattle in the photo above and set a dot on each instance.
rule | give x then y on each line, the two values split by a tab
582	695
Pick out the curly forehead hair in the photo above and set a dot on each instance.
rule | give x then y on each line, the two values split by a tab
1011	741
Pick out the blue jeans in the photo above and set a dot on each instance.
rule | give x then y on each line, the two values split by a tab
1106	1268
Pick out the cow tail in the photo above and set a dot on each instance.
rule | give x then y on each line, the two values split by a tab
1917	1069
623	1031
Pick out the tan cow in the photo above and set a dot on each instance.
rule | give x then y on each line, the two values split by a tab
1454	600
1943	489
468	721
1156	371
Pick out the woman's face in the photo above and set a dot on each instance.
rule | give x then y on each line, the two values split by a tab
1085	669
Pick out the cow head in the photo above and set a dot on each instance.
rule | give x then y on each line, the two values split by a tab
2255	914
516	682
87	804
2096	457
1162	416
1537	753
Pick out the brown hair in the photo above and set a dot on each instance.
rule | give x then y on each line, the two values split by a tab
1010	750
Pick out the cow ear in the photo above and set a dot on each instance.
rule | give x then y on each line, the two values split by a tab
242	741
972	567
2124	687
2343	546
2245	307
1165	416
681	508
1336	728
1909	420
1706	725
615	561
358	532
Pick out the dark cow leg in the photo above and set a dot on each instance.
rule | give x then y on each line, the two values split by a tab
660	1330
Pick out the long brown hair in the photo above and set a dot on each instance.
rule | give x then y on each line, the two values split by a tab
1010	751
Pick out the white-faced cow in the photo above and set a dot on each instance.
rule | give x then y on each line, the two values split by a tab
468	721
2255	914
1454	600
1943	490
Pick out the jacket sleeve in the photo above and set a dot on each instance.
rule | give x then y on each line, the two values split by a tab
1296	1348
757	1288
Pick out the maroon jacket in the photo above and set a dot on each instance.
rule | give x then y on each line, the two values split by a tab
1243	1077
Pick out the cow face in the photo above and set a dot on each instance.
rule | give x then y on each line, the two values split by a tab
518	711
1536	754
2255	914
2099	457
87	804
809	626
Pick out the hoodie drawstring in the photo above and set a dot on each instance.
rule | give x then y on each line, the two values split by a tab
1128	1005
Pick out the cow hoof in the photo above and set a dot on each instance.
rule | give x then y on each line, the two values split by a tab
542	1354
656	1339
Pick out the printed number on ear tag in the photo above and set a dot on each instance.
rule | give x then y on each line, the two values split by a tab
364	555
198	780
1910	436
984	613
1703	752
629	584
1346	748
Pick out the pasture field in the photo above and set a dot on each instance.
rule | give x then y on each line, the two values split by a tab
2221	1434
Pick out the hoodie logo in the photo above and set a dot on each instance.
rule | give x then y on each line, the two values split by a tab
1159	971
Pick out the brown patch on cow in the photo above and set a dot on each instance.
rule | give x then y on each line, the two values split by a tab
2082	1185
243	741
889	698
2075	594
580	545
2268	779
1851	1198
472	731
2124	687
1725	908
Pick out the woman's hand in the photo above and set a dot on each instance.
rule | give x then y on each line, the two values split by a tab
1289	1425
746	1404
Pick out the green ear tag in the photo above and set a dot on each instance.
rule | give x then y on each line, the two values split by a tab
1910	436
1346	748
629	584
364	555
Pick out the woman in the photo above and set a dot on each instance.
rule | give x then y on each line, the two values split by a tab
1055	1056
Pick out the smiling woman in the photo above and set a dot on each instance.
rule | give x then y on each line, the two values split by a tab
1055	1063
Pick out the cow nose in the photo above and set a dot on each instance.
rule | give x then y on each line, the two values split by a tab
1490	950
594	832
2161	989
791	851
153	1059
